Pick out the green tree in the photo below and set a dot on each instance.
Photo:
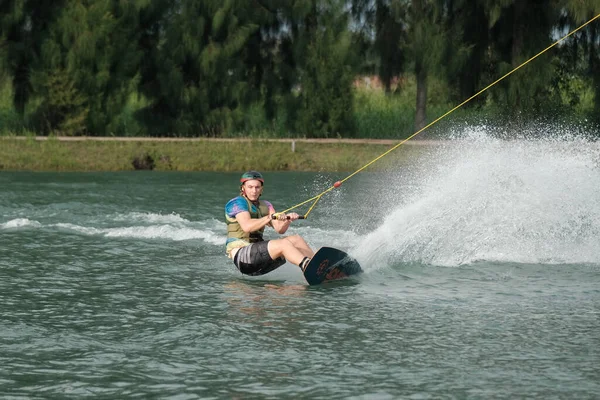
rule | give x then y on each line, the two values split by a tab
325	98
382	33
519	31
300	61
426	46
89	61
467	30
75	62
407	35
390	34
61	106
582	55
200	79
24	26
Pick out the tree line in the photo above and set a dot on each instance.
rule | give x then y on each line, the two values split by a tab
204	67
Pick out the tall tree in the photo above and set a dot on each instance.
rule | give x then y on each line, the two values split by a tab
24	26
88	66
325	98
586	44
467	28
390	33
426	46
519	31
200	79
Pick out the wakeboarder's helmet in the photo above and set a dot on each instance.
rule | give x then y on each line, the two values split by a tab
251	175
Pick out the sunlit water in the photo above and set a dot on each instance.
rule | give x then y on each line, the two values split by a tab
482	274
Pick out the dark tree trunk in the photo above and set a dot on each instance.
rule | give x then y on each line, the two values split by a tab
476	29
594	62
421	114
518	40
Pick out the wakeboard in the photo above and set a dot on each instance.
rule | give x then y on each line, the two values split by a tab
330	264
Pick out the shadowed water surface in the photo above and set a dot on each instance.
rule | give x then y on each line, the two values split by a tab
481	280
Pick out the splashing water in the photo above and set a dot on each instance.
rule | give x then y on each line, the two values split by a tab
482	198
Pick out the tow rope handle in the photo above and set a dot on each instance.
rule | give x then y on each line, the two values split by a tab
274	216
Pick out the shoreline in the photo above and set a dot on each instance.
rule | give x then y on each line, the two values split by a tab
414	141
97	154
109	154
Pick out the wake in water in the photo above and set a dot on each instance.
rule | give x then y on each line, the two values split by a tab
483	198
138	226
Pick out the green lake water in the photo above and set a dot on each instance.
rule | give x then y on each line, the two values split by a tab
482	280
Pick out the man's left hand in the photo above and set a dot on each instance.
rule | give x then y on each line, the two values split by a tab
288	217
292	216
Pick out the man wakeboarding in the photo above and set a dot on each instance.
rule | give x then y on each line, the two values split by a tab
247	216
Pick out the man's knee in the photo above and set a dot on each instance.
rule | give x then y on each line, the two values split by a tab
274	248
279	243
295	239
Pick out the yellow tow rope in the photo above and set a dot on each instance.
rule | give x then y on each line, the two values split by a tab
339	183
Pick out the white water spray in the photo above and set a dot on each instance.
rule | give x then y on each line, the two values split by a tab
480	198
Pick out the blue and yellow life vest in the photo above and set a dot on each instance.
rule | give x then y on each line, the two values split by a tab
236	237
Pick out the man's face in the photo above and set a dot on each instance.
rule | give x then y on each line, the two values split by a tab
252	189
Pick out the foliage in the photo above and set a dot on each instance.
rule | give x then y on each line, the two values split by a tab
62	107
200	80
274	68
325	85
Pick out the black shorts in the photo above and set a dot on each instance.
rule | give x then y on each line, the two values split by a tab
255	259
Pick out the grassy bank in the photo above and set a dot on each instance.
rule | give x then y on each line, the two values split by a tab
19	154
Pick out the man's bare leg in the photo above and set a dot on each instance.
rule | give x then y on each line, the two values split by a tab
287	247
301	245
